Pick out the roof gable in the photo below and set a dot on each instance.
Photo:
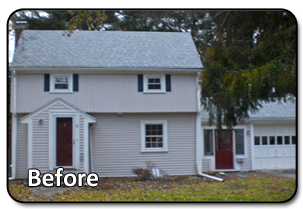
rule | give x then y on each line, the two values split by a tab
106	49
53	102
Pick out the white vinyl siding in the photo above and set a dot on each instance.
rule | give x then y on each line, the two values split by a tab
116	144
22	166
110	93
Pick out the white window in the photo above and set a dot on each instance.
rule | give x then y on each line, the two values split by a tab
61	83
154	83
153	135
208	142
240	143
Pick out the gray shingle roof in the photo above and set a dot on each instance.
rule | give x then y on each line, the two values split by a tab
275	110
106	49
272	110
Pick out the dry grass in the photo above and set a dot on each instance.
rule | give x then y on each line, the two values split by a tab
253	187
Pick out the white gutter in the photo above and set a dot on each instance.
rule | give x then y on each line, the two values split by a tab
252	145
14	128
90	146
199	137
199	148
14	147
211	177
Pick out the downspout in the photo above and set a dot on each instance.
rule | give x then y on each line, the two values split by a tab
199	146
90	148
211	177
14	128
252	145
199	141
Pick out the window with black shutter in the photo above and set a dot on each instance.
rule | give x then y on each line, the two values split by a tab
154	83
61	83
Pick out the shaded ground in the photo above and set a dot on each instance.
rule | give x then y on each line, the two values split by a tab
42	193
289	173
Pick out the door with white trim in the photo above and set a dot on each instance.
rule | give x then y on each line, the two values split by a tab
64	141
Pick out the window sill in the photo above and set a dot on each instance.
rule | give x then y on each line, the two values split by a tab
208	156
241	156
143	151
65	168
154	92
61	92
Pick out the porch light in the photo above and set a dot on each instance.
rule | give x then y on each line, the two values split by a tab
248	132
40	122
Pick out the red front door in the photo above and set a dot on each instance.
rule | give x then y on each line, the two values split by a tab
224	149
64	144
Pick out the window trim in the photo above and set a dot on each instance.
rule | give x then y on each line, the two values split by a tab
52	83
143	136
162	83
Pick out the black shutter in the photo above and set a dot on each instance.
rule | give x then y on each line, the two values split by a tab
140	83
75	82
46	82
168	83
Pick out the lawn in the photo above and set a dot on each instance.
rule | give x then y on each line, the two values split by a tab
252	187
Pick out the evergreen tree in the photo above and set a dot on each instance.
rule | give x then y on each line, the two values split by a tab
42	19
252	59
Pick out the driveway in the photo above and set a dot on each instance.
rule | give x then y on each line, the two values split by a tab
289	173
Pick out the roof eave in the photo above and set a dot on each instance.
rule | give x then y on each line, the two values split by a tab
264	121
271	119
96	69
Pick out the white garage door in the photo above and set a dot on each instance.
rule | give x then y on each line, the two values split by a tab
275	147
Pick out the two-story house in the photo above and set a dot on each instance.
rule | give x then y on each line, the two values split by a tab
105	102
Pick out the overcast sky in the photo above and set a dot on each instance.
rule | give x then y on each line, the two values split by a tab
11	46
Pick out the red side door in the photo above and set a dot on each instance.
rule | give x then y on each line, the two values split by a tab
224	149
64	144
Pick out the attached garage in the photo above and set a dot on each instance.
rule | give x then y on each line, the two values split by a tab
268	141
274	136
275	146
